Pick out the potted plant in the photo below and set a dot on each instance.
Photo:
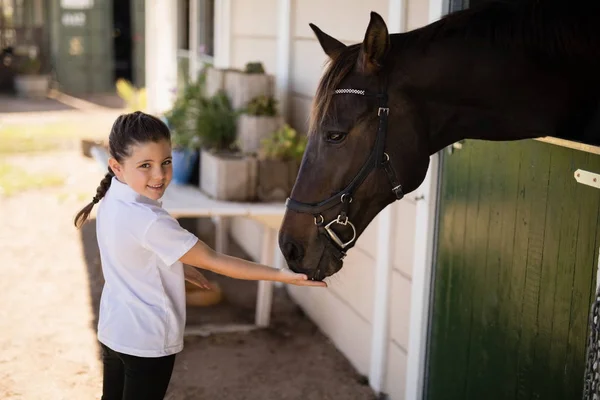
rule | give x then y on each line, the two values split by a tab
256	122
243	86
225	173
278	164
29	81
184	138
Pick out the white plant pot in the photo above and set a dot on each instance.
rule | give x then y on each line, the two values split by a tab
242	87
228	176
32	85
275	179
251	130
215	80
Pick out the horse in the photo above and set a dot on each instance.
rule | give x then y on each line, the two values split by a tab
500	71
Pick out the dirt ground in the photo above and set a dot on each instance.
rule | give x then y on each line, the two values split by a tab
50	282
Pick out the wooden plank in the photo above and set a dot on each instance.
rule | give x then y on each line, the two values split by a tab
587	201
542	386
507	199
477	270
500	245
538	186
566	246
449	343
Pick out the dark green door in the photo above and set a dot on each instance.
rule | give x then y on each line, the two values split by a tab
515	272
83	46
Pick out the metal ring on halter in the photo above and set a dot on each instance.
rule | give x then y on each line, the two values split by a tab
343	196
321	221
386	157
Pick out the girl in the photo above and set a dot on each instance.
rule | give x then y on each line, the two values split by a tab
143	249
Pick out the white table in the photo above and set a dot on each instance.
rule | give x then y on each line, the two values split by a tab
189	201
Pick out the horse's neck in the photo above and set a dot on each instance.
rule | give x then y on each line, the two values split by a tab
469	93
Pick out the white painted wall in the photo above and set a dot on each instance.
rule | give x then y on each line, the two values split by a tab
344	312
161	78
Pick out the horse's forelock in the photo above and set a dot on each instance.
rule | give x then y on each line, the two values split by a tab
337	69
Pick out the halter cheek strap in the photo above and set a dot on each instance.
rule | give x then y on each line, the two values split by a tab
377	159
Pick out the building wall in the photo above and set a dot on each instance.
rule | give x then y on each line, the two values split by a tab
347	305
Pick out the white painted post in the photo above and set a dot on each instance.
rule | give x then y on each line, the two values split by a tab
221	233
150	56
279	260
222	33
421	282
161	54
381	305
425	235
194	36
284	45
265	288
383	269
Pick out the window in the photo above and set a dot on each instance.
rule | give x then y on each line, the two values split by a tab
206	28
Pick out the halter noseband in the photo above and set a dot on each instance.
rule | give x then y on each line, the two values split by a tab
377	159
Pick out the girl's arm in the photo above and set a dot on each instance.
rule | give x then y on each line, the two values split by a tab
202	256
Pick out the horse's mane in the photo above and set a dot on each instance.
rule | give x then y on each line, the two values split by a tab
549	29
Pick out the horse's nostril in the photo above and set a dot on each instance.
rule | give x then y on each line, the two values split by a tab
292	252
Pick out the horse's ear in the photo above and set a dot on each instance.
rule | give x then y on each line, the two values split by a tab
332	47
376	44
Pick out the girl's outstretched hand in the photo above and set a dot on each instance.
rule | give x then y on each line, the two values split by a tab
288	276
195	277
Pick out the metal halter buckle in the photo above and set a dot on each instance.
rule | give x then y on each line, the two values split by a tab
335	237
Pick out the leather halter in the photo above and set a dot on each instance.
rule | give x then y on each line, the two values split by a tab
377	159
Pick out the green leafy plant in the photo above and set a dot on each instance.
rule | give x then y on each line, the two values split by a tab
216	123
262	106
284	145
182	117
30	66
254	68
180	120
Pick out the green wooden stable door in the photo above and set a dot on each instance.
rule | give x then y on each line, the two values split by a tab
515	273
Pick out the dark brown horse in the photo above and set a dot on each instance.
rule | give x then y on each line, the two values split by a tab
505	70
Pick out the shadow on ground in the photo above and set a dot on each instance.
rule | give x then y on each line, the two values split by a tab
291	359
13	104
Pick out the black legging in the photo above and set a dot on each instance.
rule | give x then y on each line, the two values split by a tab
133	378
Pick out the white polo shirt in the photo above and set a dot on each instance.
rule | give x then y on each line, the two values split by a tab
142	308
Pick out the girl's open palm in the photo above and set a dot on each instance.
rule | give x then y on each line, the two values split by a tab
293	278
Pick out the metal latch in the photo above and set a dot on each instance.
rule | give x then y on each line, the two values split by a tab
455	146
587	178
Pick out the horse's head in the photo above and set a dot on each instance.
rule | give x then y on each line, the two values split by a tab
364	151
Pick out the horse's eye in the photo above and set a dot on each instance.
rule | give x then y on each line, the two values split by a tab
335	137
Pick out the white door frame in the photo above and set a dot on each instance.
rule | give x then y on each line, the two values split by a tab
222	58
423	272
